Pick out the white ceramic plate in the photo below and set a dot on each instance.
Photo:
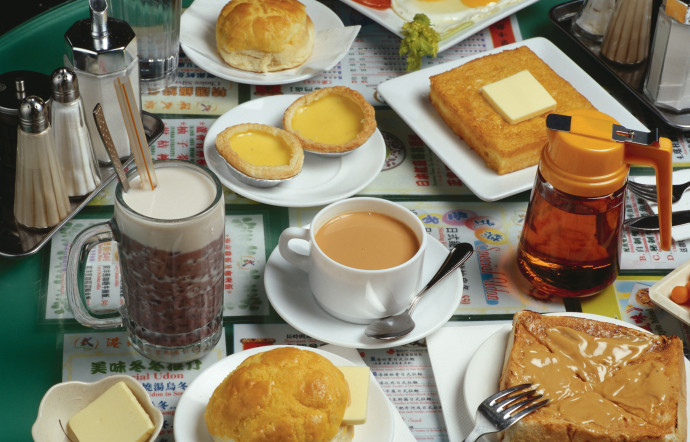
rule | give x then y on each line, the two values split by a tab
660	292
189	425
198	40
394	23
408	95
288	291
487	364
323	180
64	400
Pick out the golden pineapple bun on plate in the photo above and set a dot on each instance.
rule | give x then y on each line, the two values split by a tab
264	35
284	394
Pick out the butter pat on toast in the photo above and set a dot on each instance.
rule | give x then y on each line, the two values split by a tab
504	147
605	382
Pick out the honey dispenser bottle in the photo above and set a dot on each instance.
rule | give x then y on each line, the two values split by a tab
571	238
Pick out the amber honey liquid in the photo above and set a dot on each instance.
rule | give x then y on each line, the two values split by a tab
569	245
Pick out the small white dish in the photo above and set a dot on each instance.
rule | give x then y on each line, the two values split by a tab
64	400
198	40
487	364
394	23
288	291
189	424
322	180
660	292
408	95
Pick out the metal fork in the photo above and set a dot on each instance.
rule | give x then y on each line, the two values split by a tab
648	191
502	410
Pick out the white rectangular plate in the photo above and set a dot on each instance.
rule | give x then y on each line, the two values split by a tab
394	23
408	96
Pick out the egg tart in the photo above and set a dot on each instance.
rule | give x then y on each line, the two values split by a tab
331	120
261	151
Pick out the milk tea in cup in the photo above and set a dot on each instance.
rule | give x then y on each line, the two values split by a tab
171	251
364	258
367	240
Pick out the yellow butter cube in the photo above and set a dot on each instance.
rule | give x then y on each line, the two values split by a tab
358	380
518	97
115	415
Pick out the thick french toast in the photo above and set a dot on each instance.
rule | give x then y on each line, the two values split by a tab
605	382
504	147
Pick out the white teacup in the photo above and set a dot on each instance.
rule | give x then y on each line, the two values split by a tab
354	294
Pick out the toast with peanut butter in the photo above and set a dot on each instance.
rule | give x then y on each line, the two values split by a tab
504	147
605	382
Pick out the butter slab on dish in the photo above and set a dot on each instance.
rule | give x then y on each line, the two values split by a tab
64	400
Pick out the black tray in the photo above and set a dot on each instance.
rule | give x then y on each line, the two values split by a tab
631	78
16	240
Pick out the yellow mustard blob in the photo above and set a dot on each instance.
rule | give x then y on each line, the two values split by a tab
260	148
331	119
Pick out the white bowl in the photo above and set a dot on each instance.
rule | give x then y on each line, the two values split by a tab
64	400
660	293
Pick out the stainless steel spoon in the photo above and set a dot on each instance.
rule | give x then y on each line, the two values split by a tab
396	326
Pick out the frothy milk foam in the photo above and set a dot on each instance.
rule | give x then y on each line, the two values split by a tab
180	193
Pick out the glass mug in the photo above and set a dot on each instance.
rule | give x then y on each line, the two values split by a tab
172	262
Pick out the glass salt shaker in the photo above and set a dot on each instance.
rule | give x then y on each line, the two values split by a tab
72	140
40	199
591	20
667	82
102	49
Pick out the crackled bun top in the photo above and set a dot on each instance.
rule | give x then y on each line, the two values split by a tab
264	35
285	394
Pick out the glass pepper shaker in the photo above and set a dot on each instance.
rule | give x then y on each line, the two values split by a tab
102	49
72	140
40	199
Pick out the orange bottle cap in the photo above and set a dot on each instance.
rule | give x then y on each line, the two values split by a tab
585	161
587	156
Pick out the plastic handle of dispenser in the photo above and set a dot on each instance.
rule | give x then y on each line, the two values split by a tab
658	156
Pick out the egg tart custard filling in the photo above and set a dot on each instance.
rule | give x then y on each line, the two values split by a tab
331	120
261	151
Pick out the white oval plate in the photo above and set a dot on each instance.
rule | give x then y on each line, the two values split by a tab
190	426
323	180
198	41
287	288
487	364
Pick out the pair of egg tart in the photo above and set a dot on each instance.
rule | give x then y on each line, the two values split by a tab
331	121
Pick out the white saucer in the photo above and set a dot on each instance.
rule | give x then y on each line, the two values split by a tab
189	424
198	41
485	367
323	180
288	290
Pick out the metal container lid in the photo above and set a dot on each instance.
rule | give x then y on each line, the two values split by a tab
65	85
34	83
101	44
33	115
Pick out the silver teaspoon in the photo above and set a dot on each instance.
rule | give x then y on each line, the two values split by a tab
393	327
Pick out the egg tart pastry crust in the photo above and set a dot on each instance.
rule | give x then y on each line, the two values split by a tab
278	172
368	119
